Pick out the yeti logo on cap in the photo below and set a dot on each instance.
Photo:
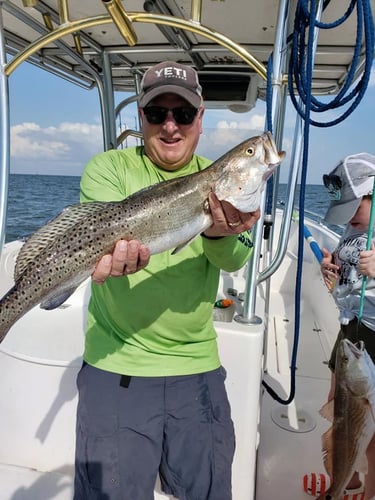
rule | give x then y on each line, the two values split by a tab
171	72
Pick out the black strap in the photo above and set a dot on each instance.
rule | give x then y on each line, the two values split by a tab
125	381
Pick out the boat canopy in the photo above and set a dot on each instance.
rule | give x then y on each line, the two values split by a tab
229	42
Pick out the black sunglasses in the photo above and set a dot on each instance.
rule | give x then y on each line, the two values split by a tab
333	184
156	115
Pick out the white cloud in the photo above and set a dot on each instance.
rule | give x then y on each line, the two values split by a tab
31	140
67	147
77	132
226	125
28	141
224	129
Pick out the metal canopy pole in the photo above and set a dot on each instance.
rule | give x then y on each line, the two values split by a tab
4	134
109	121
248	316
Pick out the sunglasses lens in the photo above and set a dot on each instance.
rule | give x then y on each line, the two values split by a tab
333	184
184	116
156	115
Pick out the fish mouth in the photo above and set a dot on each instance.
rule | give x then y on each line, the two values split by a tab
272	156
353	349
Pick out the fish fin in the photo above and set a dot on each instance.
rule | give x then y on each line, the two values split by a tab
327	448
56	300
44	236
184	244
326	410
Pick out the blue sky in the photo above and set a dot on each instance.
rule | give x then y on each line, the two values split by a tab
55	128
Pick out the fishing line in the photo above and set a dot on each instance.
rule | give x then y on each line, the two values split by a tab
300	84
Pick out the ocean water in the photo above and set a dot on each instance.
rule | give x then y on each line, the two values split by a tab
36	199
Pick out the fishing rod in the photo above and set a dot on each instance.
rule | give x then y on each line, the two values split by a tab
368	247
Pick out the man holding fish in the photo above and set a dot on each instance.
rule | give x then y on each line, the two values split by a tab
152	397
352	437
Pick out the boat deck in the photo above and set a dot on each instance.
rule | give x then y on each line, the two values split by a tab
290	443
19	483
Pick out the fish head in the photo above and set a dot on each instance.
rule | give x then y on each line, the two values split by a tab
246	169
355	369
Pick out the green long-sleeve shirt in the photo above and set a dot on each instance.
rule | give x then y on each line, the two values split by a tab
158	321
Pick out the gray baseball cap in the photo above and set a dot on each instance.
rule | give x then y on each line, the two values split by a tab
171	77
347	183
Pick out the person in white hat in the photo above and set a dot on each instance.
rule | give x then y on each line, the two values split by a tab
350	185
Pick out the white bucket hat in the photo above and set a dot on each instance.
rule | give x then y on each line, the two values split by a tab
347	183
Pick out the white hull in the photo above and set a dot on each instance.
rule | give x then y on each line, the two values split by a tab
41	355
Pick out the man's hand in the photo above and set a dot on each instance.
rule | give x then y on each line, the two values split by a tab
227	220
128	257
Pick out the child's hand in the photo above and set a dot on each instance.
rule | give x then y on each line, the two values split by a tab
366	262
328	269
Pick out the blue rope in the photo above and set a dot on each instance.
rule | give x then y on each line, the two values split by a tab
300	73
300	57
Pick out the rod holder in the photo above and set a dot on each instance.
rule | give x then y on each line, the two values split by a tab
63	11
121	20
77	43
47	21
196	11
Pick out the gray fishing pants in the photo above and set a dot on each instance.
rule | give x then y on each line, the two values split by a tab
129	429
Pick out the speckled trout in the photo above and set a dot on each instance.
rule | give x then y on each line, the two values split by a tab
57	258
353	413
